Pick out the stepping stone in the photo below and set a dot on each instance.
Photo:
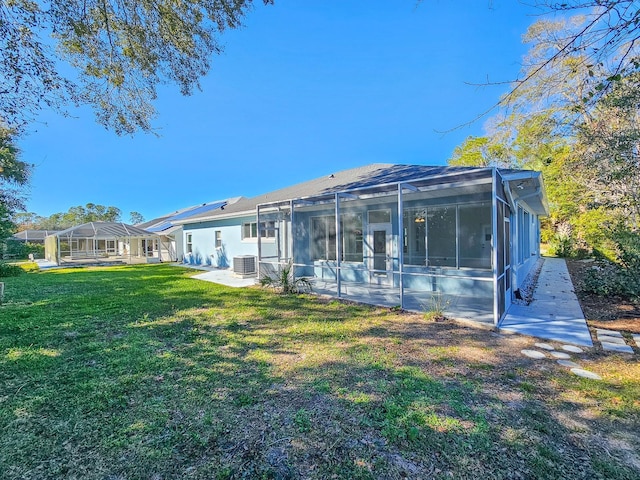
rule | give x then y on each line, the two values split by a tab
616	347
572	349
606	339
568	363
533	354
544	346
609	333
562	355
637	340
585	374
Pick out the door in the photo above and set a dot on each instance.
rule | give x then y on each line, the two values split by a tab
379	260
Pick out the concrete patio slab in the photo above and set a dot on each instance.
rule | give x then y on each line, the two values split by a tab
554	313
561	355
45	264
225	277
544	346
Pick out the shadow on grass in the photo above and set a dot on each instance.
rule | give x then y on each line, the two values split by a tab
142	372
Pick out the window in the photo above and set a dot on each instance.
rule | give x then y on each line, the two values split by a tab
268	229
189	243
250	230
526	235
379	216
218	238
323	238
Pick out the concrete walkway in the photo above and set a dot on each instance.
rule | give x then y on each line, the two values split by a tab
554	313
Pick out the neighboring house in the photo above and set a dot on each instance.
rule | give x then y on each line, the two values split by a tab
170	233
102	242
33	236
461	239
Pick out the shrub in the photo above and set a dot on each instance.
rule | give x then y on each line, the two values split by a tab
622	276
285	281
10	270
562	242
16	249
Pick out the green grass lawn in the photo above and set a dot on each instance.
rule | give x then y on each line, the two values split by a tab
141	372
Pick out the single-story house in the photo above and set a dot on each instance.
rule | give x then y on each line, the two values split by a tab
102	242
461	239
170	233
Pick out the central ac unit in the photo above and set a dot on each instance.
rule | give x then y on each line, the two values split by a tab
244	265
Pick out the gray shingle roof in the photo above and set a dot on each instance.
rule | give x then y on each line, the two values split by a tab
369	175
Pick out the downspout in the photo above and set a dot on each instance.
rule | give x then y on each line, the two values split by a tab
291	237
337	211
259	238
494	245
400	243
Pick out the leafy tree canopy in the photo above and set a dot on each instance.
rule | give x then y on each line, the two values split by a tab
135	218
120	50
574	115
598	37
77	215
14	174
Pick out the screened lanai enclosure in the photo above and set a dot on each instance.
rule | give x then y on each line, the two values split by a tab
103	242
442	242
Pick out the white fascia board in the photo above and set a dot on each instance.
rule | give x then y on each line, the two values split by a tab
540	189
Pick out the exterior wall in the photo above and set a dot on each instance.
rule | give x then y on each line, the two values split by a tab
203	247
178	235
526	245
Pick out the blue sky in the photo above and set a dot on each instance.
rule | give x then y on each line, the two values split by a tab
305	88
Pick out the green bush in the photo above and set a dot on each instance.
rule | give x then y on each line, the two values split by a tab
21	250
561	245
620	277
10	270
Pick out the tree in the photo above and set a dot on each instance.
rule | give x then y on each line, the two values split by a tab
607	153
476	152
78	215
120	51
26	221
135	218
602	38
14	173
